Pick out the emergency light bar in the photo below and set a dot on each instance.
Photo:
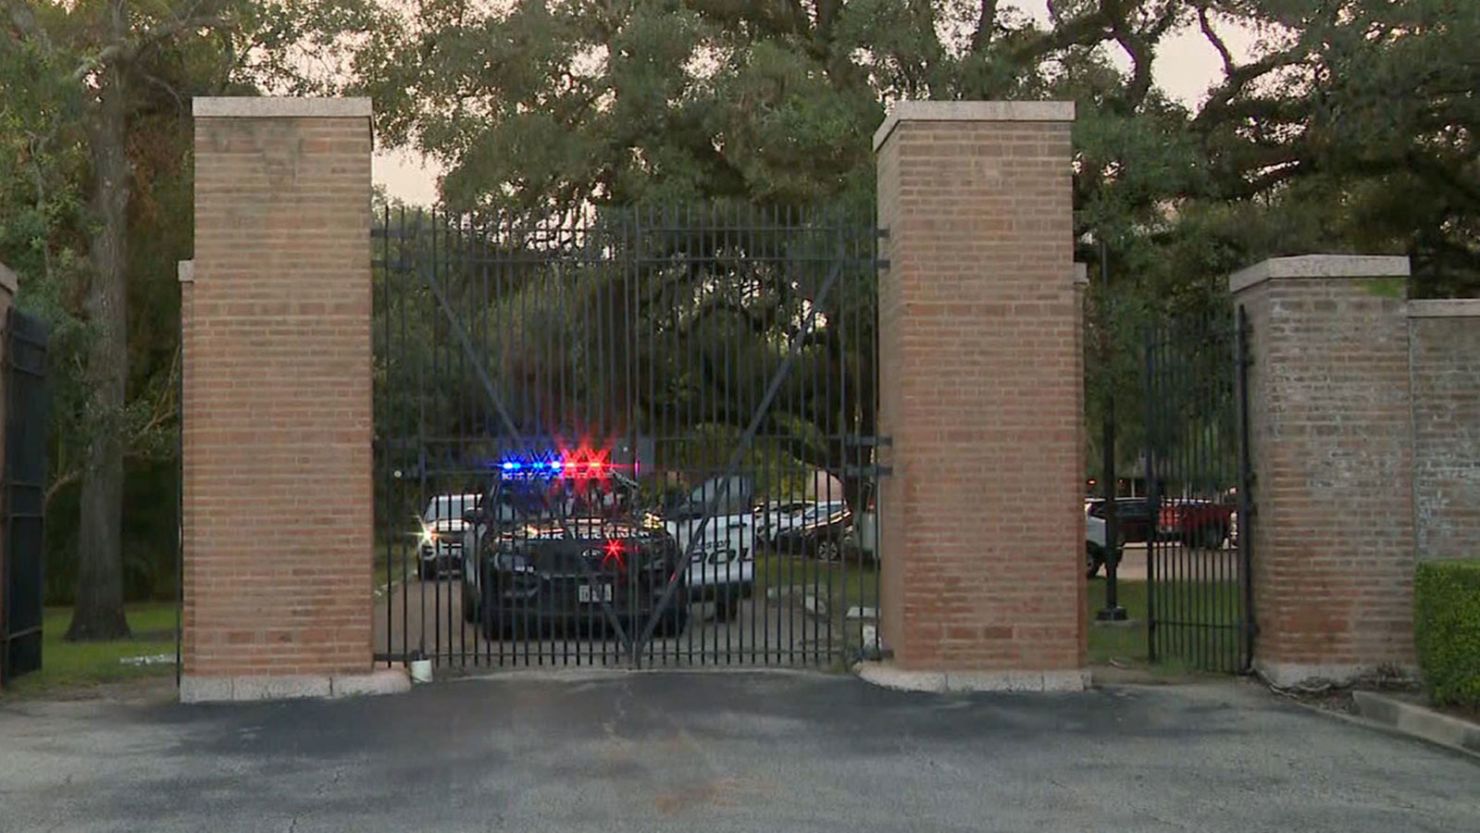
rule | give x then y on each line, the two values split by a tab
567	465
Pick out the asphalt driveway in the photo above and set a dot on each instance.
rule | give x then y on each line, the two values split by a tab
720	752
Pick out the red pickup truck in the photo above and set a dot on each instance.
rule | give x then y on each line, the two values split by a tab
1196	523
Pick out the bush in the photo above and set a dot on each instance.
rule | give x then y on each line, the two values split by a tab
1446	620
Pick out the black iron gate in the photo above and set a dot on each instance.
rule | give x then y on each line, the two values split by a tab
636	437
21	578
1199	605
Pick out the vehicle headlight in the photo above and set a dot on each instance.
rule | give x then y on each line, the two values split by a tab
428	536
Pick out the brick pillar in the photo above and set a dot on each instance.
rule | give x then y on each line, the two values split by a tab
1332	445
1444	366
277	402
981	387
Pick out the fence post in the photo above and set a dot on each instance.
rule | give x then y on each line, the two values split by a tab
981	388
9	283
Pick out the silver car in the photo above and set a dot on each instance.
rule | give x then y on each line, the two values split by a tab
441	537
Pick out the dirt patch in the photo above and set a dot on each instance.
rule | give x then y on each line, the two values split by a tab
136	690
1338	698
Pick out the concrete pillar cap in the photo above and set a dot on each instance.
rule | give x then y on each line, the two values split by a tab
1319	266
978	111
1444	308
278	107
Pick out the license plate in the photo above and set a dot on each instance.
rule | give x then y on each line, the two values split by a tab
594	593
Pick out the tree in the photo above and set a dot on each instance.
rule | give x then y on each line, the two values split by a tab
537	109
1350	127
107	82
102	50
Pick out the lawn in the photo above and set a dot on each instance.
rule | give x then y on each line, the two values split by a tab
1124	644
402	566
81	664
1187	641
839	585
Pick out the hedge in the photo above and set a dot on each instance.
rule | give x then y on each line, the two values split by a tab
1446	620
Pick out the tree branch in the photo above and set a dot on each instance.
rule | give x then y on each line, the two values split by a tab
1084	30
1206	25
986	24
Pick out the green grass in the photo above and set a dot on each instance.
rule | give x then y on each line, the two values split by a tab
1124	644
1184	648
401	567
73	665
851	582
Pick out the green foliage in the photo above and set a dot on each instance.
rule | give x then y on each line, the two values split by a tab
1446	626
52	55
665	325
75	665
1351	128
150	529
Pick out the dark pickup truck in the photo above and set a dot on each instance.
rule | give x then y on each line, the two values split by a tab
1196	523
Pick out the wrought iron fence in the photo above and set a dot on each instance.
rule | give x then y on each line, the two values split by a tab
21	565
1199	606
636	436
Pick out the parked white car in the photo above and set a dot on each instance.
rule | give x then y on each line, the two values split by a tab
722	565
440	544
1095	549
863	538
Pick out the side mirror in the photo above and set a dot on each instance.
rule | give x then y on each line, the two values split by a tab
473	516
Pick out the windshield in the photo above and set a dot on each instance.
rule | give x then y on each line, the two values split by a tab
449	507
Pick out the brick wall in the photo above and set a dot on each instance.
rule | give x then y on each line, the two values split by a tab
981	389
1444	350
277	391
1333	459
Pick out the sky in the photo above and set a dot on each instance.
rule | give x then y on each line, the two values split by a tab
1186	66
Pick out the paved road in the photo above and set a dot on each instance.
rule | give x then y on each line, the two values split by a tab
723	752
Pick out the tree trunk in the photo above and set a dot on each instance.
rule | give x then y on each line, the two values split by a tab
99	612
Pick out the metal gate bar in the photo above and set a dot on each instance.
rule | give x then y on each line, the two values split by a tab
718	357
1199	482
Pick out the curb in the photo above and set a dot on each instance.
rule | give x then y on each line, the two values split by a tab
888	675
250	688
1418	721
